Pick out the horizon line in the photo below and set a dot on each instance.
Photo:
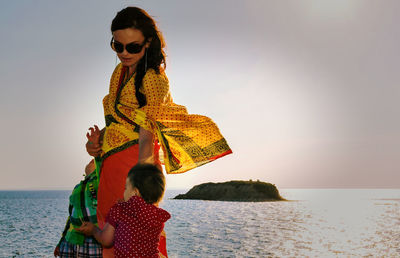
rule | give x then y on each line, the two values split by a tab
178	189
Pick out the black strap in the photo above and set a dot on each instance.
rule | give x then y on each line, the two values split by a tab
83	206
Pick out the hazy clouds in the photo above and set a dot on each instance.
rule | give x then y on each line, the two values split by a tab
305	92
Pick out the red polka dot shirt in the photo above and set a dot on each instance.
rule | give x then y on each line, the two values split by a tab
138	226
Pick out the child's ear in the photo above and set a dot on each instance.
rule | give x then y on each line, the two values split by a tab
136	192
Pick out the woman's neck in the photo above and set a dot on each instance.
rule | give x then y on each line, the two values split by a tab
131	70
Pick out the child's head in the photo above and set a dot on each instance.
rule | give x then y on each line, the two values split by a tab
147	181
90	167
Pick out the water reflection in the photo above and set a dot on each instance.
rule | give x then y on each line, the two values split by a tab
319	223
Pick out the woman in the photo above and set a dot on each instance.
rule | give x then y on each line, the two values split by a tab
140	114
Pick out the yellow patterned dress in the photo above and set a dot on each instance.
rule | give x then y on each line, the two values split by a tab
186	140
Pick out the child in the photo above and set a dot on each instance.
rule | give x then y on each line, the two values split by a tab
82	207
134	226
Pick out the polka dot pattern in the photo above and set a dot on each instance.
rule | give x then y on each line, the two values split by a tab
138	226
187	140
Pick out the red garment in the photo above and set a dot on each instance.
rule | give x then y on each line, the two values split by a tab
138	226
114	170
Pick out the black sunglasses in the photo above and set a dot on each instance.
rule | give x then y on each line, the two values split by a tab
132	48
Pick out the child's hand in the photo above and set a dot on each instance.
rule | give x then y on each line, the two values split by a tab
57	251
94	143
94	135
87	228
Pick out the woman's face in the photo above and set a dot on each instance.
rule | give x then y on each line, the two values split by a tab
125	37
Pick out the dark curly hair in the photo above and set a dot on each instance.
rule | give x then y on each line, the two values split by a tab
149	180
134	17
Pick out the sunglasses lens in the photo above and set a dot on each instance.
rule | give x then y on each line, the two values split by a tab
118	47
134	48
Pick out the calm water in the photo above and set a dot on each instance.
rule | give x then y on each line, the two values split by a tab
319	223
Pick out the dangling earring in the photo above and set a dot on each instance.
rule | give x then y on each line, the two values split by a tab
116	59
145	60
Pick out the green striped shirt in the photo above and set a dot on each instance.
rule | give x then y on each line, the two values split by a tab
82	206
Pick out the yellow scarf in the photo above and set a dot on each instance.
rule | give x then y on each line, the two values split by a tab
187	141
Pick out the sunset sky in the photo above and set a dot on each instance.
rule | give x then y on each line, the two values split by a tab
305	92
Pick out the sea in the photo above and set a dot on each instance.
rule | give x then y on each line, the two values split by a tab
312	223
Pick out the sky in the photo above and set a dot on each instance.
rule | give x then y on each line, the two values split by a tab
305	92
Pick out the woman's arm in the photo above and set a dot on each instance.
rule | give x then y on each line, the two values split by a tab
156	90
146	146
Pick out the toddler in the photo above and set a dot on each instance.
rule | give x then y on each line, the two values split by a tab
134	226
82	207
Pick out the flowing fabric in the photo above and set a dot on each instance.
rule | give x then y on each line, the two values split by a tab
187	140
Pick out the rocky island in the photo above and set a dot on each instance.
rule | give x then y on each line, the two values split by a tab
244	191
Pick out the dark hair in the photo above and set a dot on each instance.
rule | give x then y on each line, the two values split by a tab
149	180
134	17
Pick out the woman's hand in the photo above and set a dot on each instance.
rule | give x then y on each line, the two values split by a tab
94	143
